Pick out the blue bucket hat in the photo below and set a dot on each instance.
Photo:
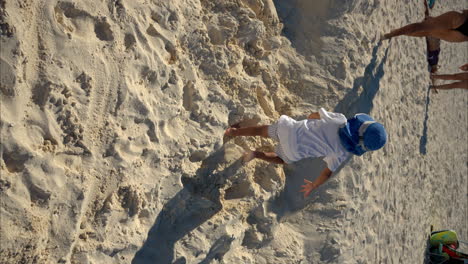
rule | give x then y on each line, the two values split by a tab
361	134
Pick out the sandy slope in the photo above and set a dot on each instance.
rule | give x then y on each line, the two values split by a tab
112	116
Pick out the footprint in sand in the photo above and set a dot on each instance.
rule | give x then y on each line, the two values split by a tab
168	44
79	23
129	41
7	79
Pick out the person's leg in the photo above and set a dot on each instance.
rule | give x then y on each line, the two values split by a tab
419	34
462	85
448	35
457	76
446	21
266	156
247	131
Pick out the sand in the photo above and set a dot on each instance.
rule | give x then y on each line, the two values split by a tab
112	120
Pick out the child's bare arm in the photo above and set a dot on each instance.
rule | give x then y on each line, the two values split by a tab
314	115
309	186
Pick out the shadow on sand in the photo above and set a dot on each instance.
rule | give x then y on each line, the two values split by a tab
423	140
358	100
355	102
197	202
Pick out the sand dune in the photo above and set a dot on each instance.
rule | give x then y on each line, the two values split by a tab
112	120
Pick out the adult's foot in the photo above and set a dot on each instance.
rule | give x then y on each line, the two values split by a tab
385	36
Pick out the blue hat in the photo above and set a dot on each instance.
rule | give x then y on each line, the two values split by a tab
375	136
362	133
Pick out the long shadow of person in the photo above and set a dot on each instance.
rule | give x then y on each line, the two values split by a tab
353	102
197	202
289	200
219	248
423	140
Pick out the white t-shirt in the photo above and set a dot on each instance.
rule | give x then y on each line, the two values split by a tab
313	138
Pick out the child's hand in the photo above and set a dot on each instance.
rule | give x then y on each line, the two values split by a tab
307	188
314	115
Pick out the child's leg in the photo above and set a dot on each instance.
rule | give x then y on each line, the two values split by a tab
266	156
247	131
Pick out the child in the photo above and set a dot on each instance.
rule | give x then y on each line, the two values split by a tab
323	134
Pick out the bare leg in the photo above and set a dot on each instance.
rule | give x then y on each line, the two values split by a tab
457	76
444	22
419	34
247	131
449	35
462	85
266	156
416	30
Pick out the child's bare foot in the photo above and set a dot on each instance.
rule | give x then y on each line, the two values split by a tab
230	132
248	156
231	129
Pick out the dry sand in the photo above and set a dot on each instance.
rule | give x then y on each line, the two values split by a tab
112	120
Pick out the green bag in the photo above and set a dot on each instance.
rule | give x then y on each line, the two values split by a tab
444	237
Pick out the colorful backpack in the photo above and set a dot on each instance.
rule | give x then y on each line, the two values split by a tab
443	248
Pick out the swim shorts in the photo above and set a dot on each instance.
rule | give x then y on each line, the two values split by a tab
273	133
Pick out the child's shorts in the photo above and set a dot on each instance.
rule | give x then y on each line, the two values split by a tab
273	133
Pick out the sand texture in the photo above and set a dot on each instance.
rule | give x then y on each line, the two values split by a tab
112	121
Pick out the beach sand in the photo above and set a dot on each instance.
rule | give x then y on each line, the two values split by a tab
112	121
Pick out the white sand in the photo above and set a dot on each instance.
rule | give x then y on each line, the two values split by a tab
112	120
